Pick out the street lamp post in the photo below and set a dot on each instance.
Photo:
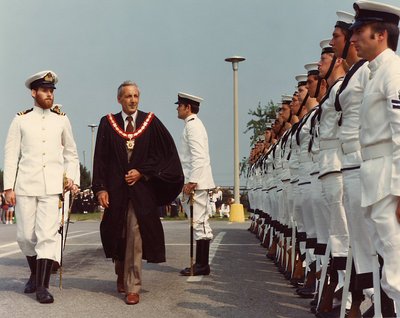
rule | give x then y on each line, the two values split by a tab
92	127
237	213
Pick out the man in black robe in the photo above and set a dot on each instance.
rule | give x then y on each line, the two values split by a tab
136	169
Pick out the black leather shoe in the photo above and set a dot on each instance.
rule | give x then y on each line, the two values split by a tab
197	270
306	292
43	296
30	286
335	313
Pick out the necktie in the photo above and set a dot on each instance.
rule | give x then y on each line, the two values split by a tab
129	127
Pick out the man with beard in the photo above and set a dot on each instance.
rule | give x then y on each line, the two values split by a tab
136	169
41	163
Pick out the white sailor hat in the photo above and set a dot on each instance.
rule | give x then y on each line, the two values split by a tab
345	20
325	46
369	11
287	99
312	68
42	79
261	138
184	98
301	79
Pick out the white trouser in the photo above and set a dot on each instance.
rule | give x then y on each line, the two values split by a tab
306	210
201	226
38	224
385	234
360	239
66	208
332	190
297	212
319	210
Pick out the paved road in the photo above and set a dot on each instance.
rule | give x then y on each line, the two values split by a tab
243	283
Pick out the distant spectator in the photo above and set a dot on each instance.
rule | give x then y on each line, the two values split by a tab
10	215
225	210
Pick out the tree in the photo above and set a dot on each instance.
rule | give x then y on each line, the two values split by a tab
85	177
263	119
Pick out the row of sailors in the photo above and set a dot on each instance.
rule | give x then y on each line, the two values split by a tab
324	182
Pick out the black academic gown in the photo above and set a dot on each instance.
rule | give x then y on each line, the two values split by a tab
156	158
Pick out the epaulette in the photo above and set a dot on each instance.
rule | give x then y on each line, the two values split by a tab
57	111
24	112
190	119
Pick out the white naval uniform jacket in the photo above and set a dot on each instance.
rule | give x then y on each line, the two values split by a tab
329	159
350	100
380	124
39	148
194	154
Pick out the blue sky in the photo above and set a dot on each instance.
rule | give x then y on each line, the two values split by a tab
166	47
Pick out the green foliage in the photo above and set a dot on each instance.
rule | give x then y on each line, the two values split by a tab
263	117
86	181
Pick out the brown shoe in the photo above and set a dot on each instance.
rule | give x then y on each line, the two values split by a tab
120	284
132	299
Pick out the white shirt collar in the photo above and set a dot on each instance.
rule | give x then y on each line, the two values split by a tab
40	109
124	116
190	117
380	59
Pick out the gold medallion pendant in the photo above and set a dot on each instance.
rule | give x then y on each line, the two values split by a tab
130	144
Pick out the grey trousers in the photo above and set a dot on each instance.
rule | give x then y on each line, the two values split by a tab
131	266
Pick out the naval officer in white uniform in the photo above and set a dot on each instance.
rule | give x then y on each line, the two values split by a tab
41	161
196	167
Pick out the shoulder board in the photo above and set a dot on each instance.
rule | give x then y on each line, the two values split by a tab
57	111
190	119
24	112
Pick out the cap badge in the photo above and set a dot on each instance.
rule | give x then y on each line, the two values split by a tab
49	77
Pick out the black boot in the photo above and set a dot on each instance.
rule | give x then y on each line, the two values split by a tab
43	269
201	266
186	271
49	271
204	268
30	286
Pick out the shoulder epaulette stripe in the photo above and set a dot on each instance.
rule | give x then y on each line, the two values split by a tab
24	112
57	112
190	119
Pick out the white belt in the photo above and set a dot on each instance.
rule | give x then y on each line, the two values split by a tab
329	144
377	151
351	146
305	157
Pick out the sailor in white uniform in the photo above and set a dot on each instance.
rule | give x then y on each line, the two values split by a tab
375	37
196	165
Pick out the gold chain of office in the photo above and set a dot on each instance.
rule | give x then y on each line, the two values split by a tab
130	137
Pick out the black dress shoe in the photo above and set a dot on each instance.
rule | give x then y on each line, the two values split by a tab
30	286
306	292
43	296
197	270
335	313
